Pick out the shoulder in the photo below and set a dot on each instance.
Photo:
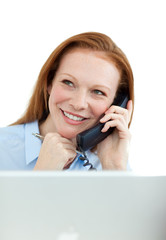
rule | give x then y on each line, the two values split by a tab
12	128
17	133
11	138
11	146
12	132
14	142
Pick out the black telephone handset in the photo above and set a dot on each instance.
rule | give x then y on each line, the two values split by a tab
91	137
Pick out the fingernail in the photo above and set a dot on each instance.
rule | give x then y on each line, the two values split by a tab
103	129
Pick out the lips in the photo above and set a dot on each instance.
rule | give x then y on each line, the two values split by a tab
73	116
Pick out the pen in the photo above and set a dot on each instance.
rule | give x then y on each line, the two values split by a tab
42	138
38	136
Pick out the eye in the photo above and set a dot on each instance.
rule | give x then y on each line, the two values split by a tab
98	92
67	82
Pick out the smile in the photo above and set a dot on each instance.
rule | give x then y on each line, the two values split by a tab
73	117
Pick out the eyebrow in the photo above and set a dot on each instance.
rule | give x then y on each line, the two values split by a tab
68	75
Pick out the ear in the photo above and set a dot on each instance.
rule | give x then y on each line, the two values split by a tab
49	88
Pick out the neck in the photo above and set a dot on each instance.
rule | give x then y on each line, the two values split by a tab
46	127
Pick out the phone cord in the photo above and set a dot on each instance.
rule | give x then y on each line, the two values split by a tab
87	163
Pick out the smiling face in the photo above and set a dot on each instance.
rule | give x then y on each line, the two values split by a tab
83	88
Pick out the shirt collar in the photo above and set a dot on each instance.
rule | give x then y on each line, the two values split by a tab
32	143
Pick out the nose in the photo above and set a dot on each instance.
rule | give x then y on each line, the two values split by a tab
79	100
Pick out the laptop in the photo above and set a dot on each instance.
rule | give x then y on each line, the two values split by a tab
82	206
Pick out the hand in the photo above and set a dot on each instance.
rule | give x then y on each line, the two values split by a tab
56	153
113	151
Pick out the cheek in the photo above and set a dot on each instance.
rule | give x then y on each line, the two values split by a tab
99	109
57	95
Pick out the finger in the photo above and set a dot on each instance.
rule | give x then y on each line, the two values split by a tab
117	120
114	123
71	154
60	142
116	109
122	130
66	146
111	116
127	112
68	163
57	138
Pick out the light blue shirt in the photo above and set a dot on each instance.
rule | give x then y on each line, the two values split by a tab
19	149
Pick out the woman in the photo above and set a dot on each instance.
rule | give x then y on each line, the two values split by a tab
75	87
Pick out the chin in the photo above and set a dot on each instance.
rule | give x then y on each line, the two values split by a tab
67	134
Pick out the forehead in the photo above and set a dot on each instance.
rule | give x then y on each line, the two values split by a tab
82	53
89	62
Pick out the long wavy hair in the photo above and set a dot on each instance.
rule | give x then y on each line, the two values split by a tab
37	108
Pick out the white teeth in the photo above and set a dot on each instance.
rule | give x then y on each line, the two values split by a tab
73	117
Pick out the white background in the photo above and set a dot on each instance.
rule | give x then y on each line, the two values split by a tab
30	30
